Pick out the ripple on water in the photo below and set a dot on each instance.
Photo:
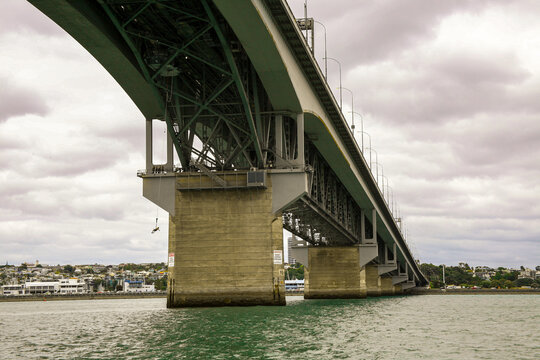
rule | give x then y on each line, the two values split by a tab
414	327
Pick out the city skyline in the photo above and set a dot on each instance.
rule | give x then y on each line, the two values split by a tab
448	95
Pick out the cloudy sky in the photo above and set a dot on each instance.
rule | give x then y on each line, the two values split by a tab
449	92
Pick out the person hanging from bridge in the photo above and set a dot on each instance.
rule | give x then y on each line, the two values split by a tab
156	228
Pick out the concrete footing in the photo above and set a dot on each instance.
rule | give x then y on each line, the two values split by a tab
334	272
225	248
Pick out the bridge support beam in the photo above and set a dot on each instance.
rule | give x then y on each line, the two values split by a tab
334	272
225	246
373	280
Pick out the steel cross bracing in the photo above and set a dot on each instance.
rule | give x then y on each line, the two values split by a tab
327	215
218	113
213	102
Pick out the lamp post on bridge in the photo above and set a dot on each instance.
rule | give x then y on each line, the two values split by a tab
369	136
305	18
325	58
361	128
382	181
352	106
391	205
340	92
376	162
385	193
398	219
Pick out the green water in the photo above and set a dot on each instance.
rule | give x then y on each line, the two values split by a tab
414	327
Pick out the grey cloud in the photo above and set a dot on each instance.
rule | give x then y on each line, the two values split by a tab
66	160
463	198
374	30
508	254
131	133
20	15
497	146
110	207
78	241
16	100
11	143
420	87
77	163
477	68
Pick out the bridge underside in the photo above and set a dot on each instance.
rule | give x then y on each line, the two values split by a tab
251	161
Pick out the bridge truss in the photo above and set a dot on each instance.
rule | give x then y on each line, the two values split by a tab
219	115
214	105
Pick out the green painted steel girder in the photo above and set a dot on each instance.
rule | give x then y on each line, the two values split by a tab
237	80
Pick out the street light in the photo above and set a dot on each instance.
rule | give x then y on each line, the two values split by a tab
376	161
340	93
325	59
391	202
369	136
352	106
305	18
398	219
361	128
384	193
382	178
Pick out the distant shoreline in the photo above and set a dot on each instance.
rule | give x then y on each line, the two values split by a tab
296	293
82	297
474	291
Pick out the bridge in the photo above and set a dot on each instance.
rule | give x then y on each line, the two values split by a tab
256	143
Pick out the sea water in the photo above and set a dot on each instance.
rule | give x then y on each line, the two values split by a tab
404	327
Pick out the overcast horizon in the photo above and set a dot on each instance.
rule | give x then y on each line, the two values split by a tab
449	93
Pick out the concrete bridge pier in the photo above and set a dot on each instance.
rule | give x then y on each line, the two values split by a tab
334	272
344	272
399	280
387	289
225	245
388	264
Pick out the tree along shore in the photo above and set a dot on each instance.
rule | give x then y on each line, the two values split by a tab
466	277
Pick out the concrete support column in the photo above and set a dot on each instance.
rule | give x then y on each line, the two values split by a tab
398	290
226	248
373	280
387	289
334	272
149	150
